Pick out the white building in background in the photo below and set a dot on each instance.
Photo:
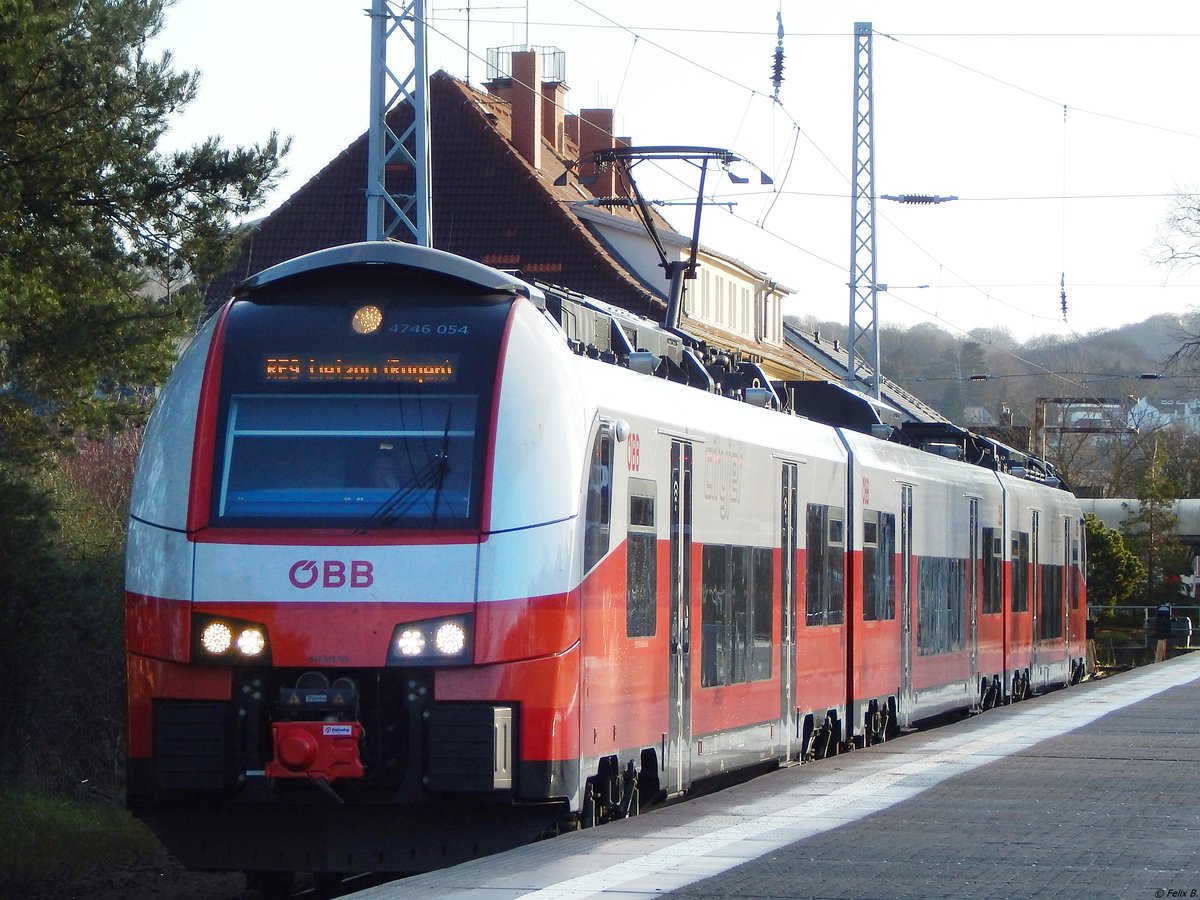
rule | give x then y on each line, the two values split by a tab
726	294
1185	413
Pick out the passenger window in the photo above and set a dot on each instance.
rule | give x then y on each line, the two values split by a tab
825	552
879	566
736	621
1020	571
993	568
641	569
941	604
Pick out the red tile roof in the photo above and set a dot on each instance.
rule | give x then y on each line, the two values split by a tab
489	204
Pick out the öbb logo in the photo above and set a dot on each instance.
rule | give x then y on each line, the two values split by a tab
331	573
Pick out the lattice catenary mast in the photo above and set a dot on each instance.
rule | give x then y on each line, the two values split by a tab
406	214
863	349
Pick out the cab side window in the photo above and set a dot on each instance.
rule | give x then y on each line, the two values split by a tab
596	531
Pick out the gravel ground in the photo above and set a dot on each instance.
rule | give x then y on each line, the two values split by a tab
160	877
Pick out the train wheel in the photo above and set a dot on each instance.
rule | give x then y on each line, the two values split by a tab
880	723
649	786
327	882
587	814
989	694
270	885
806	744
630	793
875	725
1021	687
825	739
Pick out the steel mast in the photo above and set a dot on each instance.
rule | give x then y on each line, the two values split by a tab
863	348
387	213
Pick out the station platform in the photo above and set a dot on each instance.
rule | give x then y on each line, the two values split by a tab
1089	791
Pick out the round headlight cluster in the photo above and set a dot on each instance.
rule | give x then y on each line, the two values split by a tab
442	641
218	639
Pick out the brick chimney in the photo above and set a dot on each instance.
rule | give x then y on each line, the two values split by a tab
554	99
526	100
595	133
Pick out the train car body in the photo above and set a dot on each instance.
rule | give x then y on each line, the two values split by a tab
416	573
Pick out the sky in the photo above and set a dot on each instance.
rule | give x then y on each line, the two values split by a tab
1064	129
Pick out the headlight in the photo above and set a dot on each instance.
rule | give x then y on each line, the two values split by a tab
411	642
450	639
216	638
433	642
221	639
252	642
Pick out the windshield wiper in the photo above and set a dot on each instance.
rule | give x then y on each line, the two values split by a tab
442	459
431	475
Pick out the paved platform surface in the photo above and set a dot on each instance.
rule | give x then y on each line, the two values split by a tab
1089	792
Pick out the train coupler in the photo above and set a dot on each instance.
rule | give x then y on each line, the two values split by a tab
319	751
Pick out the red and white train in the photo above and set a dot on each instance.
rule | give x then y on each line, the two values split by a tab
425	562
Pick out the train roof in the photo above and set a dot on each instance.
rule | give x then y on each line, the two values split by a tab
614	335
596	329
393	253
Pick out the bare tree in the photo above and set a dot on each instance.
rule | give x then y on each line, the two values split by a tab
1177	246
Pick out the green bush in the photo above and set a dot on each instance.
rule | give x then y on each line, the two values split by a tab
43	836
61	588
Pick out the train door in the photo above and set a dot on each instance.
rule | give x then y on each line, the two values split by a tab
906	585
1035	594
678	760
1075	585
1066	593
973	587
788	524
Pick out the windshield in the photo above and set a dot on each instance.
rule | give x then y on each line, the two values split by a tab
347	457
326	423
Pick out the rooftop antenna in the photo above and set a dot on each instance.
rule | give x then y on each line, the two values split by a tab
407	215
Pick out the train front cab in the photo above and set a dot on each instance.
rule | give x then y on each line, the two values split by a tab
330	675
